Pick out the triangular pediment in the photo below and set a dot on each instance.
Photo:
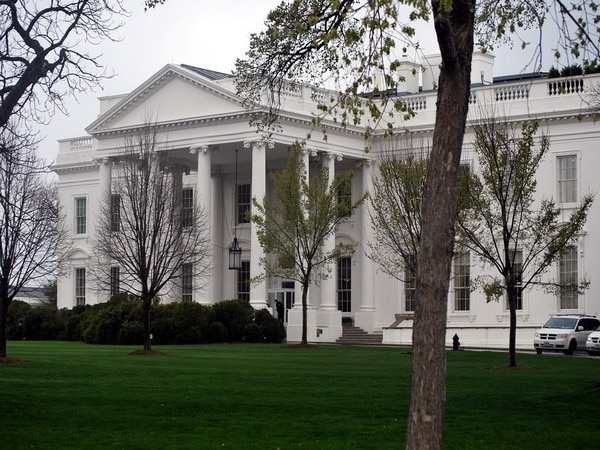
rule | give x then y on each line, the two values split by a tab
172	95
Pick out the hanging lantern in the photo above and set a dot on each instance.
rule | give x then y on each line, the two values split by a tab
235	255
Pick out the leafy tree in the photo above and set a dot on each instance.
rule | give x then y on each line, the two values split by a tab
293	227
42	58
32	234
50	291
143	229
395	206
500	220
345	44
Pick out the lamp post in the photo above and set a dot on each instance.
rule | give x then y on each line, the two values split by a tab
235	252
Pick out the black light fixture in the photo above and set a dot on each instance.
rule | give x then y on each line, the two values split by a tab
235	255
235	252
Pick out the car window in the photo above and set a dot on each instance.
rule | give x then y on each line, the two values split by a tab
567	323
589	324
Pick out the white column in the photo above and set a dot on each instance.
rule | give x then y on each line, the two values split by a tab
104	176
305	157
217	235
203	195
258	291
329	318
365	317
328	286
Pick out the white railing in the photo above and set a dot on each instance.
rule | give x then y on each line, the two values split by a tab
416	103
81	144
562	87
514	92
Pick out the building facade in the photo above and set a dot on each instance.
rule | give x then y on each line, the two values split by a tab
223	163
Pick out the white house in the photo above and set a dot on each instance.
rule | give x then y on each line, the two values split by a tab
203	125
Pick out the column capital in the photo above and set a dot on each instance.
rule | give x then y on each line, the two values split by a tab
102	160
332	155
366	163
199	148
264	141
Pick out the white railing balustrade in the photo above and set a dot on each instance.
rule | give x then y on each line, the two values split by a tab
562	87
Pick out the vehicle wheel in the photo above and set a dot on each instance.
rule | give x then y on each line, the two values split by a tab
538	351
593	353
572	347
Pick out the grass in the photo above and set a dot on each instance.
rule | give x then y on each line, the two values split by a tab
78	396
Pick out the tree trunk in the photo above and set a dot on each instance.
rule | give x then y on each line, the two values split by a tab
454	31
146	320
3	320
304	314
512	331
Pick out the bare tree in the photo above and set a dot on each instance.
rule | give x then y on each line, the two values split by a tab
293	228
499	220
42	54
146	232
395	206
32	235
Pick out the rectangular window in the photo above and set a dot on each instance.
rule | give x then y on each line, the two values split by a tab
243	282
517	269
115	280
462	281
81	215
79	287
115	212
187	207
568	278
410	284
567	178
244	200
344	198
186	283
344	284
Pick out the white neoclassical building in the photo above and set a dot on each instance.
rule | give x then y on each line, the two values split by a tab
205	129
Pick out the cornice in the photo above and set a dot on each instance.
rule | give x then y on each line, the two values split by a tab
175	124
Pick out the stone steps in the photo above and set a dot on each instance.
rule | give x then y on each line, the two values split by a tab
358	336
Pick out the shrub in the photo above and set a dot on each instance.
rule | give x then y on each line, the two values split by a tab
42	324
17	311
217	333
235	315
272	329
103	322
253	334
131	332
180	323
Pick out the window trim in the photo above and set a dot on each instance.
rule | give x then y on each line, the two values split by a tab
115	213
343	289
187	210
76	215
115	281
565	297
80	299
576	181
242	282
241	208
187	282
464	303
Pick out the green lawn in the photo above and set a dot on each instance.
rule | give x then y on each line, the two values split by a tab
78	396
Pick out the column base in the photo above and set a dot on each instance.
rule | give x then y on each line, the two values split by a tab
329	325
365	320
294	326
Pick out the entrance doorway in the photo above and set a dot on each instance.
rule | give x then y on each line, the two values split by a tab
285	297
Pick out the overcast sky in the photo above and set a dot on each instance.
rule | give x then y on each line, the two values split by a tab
209	34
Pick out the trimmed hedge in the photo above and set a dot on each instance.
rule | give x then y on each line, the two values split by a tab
119	321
